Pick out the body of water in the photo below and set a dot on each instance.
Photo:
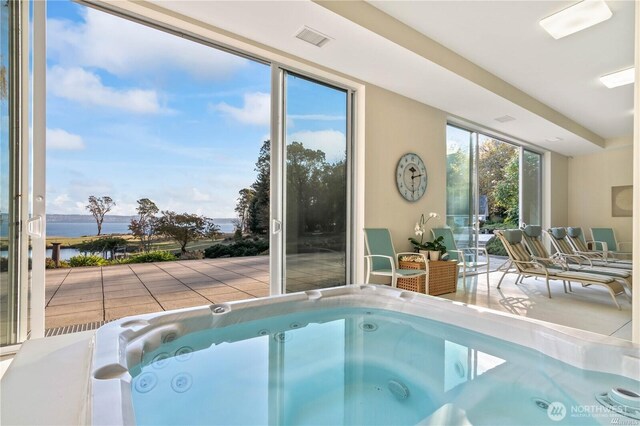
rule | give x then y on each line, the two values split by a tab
81	229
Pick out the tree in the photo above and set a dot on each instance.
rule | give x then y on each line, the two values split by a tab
242	207
507	191
258	212
498	178
144	226
184	228
99	207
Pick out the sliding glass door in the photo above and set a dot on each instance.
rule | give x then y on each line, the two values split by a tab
21	232
462	212
315	180
531	187
491	184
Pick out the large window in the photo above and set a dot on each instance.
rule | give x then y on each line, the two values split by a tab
170	140
491	184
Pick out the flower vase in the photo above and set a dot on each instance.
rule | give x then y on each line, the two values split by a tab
434	255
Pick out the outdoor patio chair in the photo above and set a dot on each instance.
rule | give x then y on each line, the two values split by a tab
467	257
382	259
578	244
532	237
525	264
604	239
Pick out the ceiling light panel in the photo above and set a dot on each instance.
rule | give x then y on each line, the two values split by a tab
312	36
619	78
504	119
576	18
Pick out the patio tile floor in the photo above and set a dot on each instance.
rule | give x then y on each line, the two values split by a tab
82	295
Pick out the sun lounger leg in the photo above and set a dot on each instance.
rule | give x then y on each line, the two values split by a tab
502	277
548	288
613	296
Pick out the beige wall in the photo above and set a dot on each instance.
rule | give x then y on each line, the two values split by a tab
590	180
555	193
396	125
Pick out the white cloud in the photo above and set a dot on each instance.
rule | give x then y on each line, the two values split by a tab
331	142
86	87
61	139
123	47
256	109
198	195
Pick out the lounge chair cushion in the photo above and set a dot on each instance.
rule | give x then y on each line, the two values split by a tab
533	230
585	277
513	236
401	272
559	233
574	232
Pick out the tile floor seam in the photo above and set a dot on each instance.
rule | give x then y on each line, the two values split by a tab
621	327
197	292
202	273
57	289
146	288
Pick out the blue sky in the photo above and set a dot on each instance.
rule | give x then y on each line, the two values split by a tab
133	112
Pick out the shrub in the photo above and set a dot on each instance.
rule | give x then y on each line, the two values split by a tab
50	264
4	264
152	256
495	247
237	249
192	255
90	260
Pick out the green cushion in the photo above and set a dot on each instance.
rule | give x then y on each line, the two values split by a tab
379	242
574	232
513	236
533	230
559	233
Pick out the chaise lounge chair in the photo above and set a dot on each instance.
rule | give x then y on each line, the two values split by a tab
578	244
527	265
532	236
382	259
604	239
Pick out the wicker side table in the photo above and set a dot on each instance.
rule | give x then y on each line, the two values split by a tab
443	277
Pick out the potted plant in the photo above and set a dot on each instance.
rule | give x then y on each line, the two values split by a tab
436	248
430	246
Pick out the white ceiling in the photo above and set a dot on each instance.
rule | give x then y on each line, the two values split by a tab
560	73
367	56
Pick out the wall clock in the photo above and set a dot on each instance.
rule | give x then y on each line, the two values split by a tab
411	177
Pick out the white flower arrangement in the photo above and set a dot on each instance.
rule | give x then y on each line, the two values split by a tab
419	229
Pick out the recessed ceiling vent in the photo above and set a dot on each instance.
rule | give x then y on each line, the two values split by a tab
504	118
312	36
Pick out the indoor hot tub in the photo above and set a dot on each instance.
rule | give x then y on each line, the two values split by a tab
357	355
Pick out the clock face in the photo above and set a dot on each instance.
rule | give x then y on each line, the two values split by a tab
411	177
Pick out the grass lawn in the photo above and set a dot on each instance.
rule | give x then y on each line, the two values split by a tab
134	243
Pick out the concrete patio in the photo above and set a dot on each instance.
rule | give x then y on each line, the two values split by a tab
97	294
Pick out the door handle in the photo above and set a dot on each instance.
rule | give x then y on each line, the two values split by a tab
277	227
34	227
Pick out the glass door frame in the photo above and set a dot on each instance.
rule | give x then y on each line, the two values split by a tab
474	158
521	188
27	175
277	228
